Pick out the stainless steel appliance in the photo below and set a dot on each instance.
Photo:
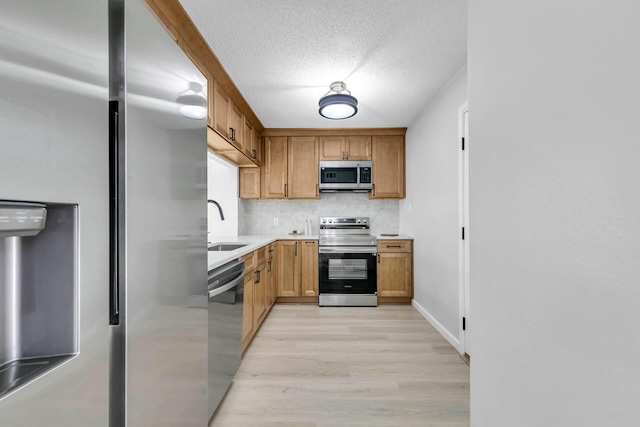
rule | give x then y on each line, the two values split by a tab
226	291
347	262
345	175
38	294
90	127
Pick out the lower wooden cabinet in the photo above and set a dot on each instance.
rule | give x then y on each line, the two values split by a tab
395	268
260	296
271	274
256	304
247	310
309	268
297	268
288	268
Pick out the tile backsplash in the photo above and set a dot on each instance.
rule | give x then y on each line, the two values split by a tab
257	216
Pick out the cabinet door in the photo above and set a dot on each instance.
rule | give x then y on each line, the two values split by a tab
333	148
395	272
247	138
358	147
221	103
259	296
273	274
309	269
249	183
236	124
211	121
255	148
275	168
247	306
303	168
388	167
288	268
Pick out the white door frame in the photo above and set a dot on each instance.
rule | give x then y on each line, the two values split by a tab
463	221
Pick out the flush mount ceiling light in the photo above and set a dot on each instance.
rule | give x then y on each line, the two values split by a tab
193	102
337	106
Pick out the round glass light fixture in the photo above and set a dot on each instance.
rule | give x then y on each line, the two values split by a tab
338	106
193	102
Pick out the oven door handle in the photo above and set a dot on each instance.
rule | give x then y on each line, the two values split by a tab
348	250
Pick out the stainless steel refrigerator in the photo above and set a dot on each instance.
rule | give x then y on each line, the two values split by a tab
104	311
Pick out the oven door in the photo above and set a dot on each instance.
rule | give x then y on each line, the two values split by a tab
348	270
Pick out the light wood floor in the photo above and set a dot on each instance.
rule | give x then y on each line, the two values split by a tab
312	366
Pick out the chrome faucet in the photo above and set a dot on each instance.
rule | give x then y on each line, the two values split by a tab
219	208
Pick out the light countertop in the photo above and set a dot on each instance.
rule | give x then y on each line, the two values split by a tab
398	237
218	258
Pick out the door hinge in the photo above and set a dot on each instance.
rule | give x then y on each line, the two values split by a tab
463	143
464	323
462	233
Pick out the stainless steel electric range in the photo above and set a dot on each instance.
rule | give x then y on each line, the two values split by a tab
347	262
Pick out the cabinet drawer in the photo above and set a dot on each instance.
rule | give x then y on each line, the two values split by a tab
261	255
250	261
394	245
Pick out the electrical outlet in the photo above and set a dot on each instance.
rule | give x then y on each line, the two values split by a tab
275	221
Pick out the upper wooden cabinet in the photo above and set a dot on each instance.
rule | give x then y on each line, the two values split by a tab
388	155
302	168
274	172
255	151
235	123
221	105
289	164
227	117
234	136
249	183
210	90
251	142
345	148
290	168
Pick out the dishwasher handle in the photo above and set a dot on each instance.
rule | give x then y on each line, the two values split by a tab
224	288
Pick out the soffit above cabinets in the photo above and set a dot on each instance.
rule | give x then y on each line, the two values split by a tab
393	56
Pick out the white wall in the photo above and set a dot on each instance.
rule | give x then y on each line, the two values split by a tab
555	202
222	186
430	211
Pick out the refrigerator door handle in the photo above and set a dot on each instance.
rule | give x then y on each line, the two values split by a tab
114	289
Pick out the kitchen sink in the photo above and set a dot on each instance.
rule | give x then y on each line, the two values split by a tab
222	247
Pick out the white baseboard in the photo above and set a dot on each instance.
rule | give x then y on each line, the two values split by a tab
455	342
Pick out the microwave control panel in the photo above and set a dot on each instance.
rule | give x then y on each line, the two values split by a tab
365	175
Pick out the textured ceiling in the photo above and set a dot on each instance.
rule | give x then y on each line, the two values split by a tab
394	56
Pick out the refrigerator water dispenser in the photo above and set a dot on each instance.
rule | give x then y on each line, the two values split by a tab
38	289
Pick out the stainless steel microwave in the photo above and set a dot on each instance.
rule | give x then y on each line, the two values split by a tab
345	175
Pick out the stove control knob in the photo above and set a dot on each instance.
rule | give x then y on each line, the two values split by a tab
364	220
324	220
358	220
330	221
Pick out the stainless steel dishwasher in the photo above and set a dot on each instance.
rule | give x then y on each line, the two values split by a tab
226	290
